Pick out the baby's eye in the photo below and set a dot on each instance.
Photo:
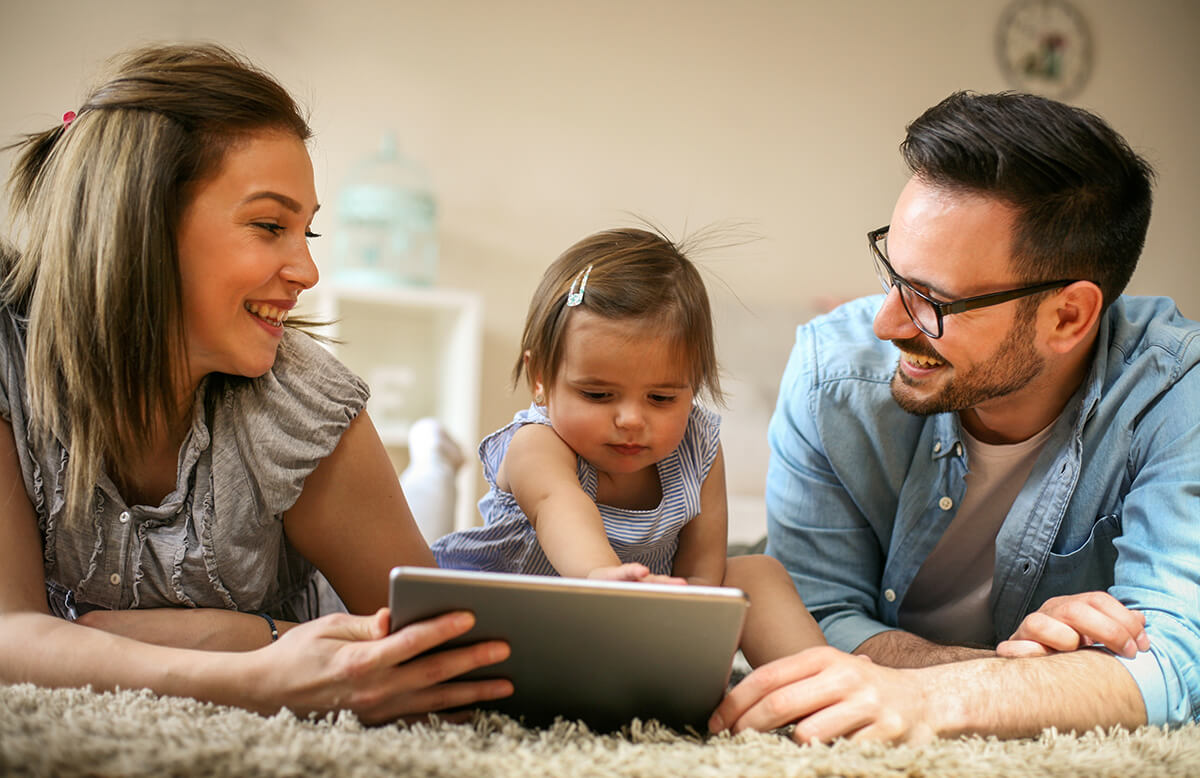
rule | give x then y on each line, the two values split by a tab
662	399
594	396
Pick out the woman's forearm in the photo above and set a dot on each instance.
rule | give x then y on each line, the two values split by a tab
210	629
48	651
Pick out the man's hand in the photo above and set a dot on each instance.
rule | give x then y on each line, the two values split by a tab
1076	621
829	693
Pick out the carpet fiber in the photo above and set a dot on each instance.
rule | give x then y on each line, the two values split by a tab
76	732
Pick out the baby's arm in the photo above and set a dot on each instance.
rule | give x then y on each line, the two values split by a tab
539	470
701	555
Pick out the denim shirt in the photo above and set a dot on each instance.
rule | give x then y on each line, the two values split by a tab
859	491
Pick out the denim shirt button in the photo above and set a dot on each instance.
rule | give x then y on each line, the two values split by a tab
889	595
958	449
937	447
945	503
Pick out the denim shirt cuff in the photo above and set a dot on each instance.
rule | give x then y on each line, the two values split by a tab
1148	675
849	632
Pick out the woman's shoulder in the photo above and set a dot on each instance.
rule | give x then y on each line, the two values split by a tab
279	426
304	367
12	358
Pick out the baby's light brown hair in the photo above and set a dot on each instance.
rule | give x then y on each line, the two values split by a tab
635	274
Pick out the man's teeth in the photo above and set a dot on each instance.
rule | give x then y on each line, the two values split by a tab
921	361
268	313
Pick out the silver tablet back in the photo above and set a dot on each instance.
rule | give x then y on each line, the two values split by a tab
602	652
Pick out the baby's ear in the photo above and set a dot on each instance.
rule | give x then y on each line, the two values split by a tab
534	380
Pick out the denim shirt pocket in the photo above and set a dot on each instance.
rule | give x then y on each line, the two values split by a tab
1084	569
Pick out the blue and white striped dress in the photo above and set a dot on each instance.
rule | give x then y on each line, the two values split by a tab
508	543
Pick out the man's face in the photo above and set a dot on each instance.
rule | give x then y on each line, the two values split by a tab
951	246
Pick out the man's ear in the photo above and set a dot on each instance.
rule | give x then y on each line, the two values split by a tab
1070	316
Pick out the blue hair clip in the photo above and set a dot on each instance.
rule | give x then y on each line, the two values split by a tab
575	297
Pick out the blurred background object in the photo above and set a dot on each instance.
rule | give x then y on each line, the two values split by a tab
539	123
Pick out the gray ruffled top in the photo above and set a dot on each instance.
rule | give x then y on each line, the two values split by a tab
216	541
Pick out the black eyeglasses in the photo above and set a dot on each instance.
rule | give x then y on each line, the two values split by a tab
927	313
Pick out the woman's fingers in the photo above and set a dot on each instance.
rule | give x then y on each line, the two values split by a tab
427	683
418	637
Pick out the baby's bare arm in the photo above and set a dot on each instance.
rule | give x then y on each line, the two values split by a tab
539	470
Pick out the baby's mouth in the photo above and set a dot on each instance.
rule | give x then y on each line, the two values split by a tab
268	313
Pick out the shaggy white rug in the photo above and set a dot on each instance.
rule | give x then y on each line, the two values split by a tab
77	732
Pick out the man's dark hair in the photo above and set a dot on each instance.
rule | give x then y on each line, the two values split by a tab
1081	194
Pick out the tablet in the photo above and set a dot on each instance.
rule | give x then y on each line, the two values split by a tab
603	652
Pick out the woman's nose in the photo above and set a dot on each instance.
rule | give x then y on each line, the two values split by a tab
301	269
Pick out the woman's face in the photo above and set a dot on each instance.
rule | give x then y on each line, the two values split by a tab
243	254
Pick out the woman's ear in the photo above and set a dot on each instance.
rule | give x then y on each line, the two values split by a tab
1071	315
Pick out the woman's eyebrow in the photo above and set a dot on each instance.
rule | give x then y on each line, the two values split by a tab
282	199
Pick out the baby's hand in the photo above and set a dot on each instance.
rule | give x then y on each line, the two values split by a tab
632	571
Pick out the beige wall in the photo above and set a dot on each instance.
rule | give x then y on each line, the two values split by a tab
542	121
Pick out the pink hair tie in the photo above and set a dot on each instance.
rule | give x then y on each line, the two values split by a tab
68	117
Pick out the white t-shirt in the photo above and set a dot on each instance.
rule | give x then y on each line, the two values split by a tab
948	600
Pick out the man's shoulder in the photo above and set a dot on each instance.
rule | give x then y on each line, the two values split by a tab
841	345
1152	329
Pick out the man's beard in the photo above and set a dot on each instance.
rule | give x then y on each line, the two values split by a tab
1009	370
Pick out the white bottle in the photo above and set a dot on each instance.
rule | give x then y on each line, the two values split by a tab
429	480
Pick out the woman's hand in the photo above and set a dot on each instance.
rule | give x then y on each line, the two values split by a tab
343	662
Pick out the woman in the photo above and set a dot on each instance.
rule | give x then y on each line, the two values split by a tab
182	474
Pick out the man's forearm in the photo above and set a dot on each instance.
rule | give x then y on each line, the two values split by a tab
1078	691
897	648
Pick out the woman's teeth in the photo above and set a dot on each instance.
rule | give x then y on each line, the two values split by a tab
268	313
921	361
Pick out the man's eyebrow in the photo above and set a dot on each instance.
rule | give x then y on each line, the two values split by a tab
282	199
929	288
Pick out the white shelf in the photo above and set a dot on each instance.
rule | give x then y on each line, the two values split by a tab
420	351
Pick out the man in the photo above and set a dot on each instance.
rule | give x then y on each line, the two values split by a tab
995	497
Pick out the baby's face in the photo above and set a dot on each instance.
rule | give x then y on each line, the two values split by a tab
622	395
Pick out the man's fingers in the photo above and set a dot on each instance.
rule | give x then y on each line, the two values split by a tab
770	692
1103	618
1052	633
1019	649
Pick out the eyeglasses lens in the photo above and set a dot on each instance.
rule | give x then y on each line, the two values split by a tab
919	310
